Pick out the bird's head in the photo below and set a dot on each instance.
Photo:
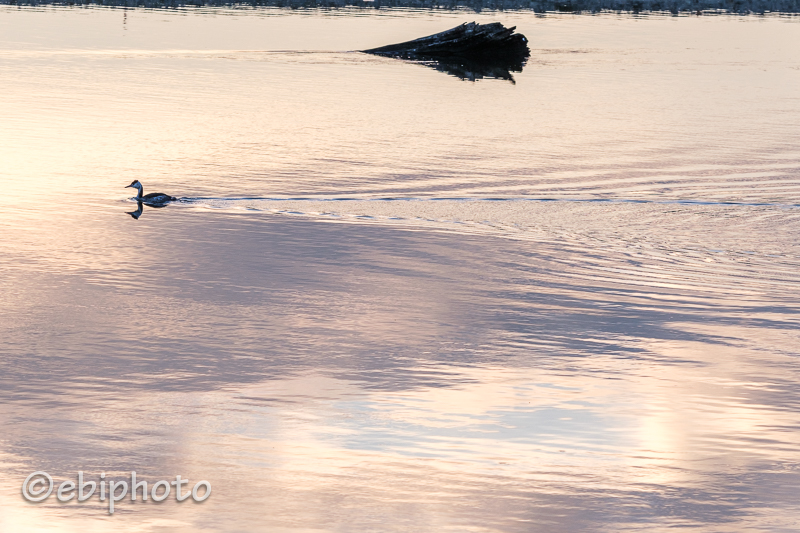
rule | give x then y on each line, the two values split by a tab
135	184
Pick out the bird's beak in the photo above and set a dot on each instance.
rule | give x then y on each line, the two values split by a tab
128	186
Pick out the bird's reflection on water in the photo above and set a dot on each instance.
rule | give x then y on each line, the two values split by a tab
140	209
136	214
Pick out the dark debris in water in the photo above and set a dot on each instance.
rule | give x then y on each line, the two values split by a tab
470	51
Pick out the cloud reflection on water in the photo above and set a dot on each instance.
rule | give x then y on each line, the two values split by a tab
363	365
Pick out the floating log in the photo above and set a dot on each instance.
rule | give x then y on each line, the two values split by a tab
470	51
470	41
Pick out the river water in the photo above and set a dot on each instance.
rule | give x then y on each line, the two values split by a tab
390	299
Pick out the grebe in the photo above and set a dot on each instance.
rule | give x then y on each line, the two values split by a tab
153	197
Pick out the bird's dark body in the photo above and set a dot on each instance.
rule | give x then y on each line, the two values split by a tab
157	198
154	198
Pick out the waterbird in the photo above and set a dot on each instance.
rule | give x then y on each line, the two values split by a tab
153	197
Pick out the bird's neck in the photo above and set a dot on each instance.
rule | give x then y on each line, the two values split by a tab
141	191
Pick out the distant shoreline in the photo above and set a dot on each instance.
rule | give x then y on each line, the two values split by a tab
675	7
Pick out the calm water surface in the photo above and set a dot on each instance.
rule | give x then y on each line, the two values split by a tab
392	300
